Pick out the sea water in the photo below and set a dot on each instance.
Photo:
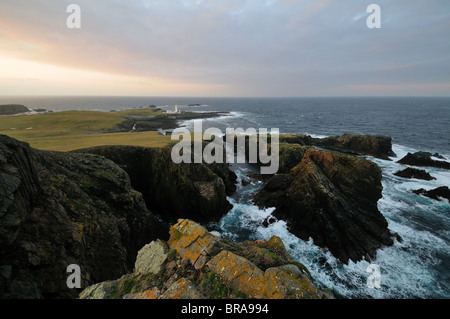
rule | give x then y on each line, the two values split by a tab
416	267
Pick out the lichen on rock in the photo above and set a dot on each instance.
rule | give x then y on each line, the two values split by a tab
151	257
202	265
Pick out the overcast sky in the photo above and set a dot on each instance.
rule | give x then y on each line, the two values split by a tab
225	48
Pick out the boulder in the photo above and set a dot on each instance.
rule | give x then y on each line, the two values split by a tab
282	282
423	159
332	198
102	290
153	293
59	209
437	193
182	289
414	173
193	242
151	257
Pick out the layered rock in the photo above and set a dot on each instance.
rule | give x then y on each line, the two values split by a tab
201	265
423	159
173	191
332	198
292	147
59	209
373	145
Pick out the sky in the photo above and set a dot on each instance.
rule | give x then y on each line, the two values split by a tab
225	48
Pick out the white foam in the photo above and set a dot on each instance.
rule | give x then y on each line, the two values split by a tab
409	269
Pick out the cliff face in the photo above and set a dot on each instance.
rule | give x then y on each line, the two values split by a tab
173	191
59	209
195	264
373	145
332	198
377	146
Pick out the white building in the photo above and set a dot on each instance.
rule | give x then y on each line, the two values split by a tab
174	111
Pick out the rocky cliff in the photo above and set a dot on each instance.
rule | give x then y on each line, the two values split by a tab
59	209
373	145
332	198
81	208
196	191
196	264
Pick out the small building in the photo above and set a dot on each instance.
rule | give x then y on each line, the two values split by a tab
174	111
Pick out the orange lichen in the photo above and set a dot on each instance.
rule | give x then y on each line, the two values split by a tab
191	241
149	294
275	283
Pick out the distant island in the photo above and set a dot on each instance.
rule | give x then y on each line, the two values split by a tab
12	109
16	109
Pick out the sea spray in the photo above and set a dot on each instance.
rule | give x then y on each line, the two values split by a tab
413	268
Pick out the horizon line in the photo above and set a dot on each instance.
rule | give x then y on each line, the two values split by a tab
227	97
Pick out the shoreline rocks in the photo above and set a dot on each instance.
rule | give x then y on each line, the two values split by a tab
200	265
372	145
437	193
423	159
414	173
331	197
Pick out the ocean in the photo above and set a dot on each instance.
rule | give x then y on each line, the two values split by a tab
417	267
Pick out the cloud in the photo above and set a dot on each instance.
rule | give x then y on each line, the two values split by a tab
237	47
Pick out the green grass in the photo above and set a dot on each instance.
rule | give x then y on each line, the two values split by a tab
214	287
71	130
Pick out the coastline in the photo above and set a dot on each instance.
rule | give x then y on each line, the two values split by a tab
150	137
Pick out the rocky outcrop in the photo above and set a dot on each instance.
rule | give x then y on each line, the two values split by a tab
173	191
290	155
437	193
414	173
201	265
423	159
331	197
12	109
373	145
59	209
156	122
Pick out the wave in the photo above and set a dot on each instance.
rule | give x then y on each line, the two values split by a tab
416	267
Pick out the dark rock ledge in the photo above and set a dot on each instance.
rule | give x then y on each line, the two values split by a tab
423	159
414	173
59	209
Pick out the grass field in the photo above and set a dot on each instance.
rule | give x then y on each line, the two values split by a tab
71	130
